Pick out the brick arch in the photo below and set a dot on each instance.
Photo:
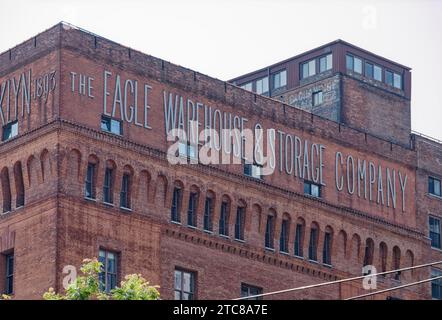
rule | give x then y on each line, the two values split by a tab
368	252
383	256
6	189
396	259
161	187
409	262
329	229
19	185
355	248
256	218
73	164
341	245
34	171
144	187
46	164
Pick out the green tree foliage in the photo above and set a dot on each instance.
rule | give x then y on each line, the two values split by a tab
87	287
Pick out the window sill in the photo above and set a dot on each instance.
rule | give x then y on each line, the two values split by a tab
224	236
90	199
192	227
240	240
269	249
126	209
284	253
109	204
327	265
436	249
299	257
435	196
208	231
112	133
313	261
176	222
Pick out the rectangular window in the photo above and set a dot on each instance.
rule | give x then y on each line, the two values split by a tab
435	231
176	205
208	209
248	290
10	130
397	81
125	192
436	285
325	63
262	85
184	285
298	240
108	273
434	186
377	73
239	223
90	181
187	150
317	98
111	125
312	189
224	219
191	212
369	70
280	79
108	195
247	86
312	248
269	233
308	69
283	238
326	252
389	77
9	279
253	170
354	64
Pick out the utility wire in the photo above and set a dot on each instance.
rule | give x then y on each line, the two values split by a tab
394	288
339	281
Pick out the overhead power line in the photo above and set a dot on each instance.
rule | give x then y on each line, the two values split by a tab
340	281
394	288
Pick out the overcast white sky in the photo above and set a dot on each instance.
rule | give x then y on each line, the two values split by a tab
227	38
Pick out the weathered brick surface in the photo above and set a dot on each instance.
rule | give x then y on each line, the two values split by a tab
58	227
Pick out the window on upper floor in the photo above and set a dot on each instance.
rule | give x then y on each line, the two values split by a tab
317	98
249	290
208	213
434	186
269	235
10	130
436	285
326	252
89	185
284	236
377	73
239	223
313	244
176	205
125	191
224	219
325	63
397	81
312	189
184	284
353	63
108	194
280	79
253	170
187	150
308	69
111	125
247	86
108	275
435	231
191	210
299	240
262	85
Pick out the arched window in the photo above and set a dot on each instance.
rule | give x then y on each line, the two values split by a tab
240	220
177	198
284	234
397	261
299	237
224	217
270	231
341	246
209	205
313	242
91	178
369	250
109	179
19	185
383	253
6	190
192	206
356	247
409	262
326	250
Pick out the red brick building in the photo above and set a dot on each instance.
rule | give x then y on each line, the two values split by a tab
85	172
